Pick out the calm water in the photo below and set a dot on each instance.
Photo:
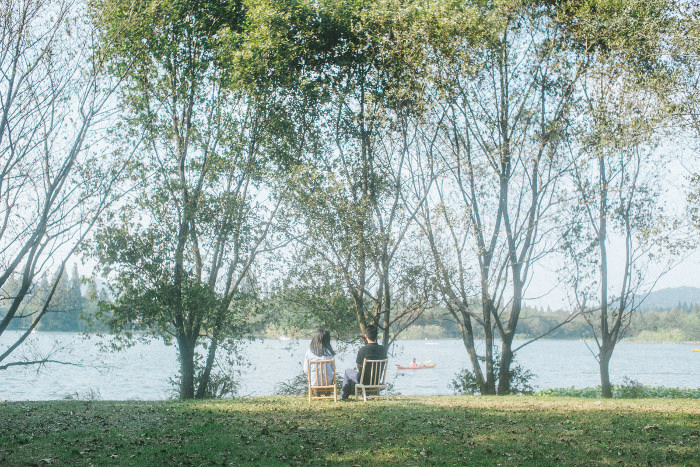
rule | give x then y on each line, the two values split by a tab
142	372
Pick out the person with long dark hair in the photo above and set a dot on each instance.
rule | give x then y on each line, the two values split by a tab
320	349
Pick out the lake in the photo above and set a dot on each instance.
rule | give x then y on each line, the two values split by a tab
142	372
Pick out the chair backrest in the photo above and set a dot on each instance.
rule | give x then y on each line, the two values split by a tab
321	372
373	372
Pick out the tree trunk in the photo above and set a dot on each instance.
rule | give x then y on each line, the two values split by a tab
186	350
504	378
468	340
206	374
604	363
605	350
504	381
488	337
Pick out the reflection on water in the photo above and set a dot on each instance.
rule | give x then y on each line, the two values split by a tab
143	371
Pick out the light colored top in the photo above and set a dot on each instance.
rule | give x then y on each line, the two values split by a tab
310	356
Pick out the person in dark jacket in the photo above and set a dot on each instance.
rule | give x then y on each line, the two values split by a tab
370	351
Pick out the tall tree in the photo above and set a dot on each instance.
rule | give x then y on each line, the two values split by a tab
349	194
53	98
181	252
63	313
505	83
617	221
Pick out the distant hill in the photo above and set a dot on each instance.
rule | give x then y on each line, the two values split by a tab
672	297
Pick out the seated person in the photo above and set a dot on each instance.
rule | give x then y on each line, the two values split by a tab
370	351
320	349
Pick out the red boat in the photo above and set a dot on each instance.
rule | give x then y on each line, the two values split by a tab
420	366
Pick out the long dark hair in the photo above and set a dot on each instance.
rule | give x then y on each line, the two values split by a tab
321	343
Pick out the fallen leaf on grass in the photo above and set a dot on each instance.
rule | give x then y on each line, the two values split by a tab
651	427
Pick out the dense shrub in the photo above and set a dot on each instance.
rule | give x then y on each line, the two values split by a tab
299	385
520	379
629	390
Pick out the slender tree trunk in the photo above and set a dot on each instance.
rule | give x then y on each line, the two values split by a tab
504	378
213	346
488	337
386	321
605	350
206	374
468	340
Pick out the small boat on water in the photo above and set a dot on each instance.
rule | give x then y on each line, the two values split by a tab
696	350
420	366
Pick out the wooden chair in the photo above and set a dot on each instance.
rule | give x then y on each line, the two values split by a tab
372	379
325	387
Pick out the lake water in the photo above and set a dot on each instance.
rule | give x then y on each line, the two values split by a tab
142	372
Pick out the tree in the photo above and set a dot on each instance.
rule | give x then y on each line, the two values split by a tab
349	195
181	253
505	79
53	99
617	223
64	311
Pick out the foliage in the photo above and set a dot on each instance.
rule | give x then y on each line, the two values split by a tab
299	385
219	386
89	395
309	308
614	160
505	83
65	308
293	387
629	390
411	152
358	65
521	378
279	431
181	253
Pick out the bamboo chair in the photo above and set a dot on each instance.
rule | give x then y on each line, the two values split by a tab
325	387
372	379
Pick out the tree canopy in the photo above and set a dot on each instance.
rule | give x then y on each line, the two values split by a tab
346	163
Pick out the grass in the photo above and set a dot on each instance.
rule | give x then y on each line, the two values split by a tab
286	430
630	391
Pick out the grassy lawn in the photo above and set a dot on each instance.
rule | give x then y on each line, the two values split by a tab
458	430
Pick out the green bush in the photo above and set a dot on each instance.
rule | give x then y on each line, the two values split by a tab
629	390
299	385
520	379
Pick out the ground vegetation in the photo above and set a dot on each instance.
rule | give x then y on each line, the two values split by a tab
464	430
